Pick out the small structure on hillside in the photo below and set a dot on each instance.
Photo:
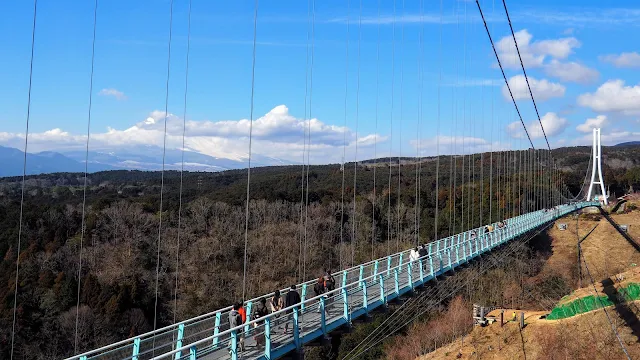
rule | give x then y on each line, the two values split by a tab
480	315
562	226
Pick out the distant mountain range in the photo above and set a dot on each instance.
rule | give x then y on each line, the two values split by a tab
629	143
131	158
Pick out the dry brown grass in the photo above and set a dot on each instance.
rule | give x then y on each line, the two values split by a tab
605	250
586	336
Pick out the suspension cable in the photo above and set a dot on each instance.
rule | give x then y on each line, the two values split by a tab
253	83
464	119
344	134
454	139
437	193
306	207
164	151
399	232
354	239
375	141
503	74
524	71
86	170
24	176
184	130
419	129
304	150
393	76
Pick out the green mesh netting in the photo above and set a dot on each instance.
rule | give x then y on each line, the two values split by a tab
589	303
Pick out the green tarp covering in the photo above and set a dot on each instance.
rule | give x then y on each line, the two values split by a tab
589	303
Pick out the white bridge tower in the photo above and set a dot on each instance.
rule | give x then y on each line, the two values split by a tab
597	164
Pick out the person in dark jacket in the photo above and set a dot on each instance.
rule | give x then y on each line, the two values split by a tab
235	320
292	298
261	310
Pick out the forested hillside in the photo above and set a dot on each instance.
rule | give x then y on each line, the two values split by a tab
201	240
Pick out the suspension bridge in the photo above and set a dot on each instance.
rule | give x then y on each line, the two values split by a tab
362	288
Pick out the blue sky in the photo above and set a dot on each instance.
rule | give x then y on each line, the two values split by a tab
582	60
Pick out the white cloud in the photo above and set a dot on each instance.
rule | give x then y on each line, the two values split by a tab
559	49
542	89
447	145
276	124
119	95
553	125
610	138
613	96
624	60
571	71
581	16
590	124
276	134
533	53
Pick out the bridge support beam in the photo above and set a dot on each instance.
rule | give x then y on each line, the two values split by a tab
303	297
216	330
178	355
296	329
267	338
136	349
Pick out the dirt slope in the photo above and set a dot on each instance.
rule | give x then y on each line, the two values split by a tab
584	336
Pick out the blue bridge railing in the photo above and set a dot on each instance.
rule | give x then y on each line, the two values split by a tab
362	289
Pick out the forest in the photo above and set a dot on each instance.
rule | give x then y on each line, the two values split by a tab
185	232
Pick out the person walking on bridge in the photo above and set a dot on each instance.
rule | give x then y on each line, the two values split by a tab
291	299
320	289
329	281
259	312
235	320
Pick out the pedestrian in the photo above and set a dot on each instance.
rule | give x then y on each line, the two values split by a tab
422	251
329	281
277	302
261	310
413	255
320	289
291	299
235	320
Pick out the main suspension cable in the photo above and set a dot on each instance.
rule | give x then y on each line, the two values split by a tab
503	74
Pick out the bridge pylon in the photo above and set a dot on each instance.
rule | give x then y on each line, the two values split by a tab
596	159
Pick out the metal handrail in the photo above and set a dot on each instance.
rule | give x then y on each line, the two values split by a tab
130	341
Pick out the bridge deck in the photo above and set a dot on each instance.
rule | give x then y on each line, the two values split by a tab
363	288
